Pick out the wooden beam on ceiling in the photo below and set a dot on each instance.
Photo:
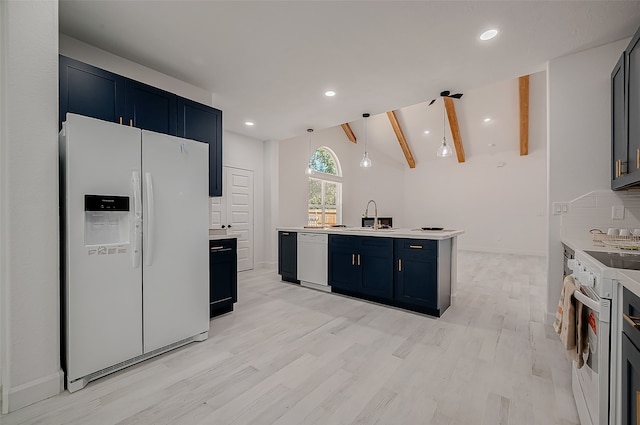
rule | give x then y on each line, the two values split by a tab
347	130
455	129
523	83
401	139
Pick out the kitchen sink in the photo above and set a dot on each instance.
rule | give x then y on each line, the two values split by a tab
367	229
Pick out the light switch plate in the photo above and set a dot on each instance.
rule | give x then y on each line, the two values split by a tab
559	208
617	212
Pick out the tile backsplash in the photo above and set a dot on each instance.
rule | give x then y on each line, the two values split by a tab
594	211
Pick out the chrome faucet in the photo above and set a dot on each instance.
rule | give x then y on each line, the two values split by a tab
375	212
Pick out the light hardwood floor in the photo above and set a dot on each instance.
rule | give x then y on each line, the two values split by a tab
289	356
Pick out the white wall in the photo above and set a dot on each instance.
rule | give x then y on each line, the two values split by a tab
382	182
501	209
579	139
29	203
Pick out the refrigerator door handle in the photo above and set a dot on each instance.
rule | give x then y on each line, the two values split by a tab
137	219
149	246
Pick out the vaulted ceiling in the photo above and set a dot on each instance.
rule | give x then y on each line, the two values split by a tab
270	62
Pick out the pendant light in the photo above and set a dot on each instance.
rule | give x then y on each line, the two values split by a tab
309	169
365	162
444	150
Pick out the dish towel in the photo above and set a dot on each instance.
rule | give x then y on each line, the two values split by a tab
570	322
582	338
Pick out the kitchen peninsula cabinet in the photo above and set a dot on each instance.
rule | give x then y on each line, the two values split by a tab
406	268
288	256
420	284
361	266
223	276
94	92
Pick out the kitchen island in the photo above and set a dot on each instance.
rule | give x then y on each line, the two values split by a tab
413	269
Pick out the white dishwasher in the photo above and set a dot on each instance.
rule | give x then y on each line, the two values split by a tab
312	260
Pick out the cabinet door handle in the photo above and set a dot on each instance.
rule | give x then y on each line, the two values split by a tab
638	158
120	120
632	320
219	249
130	123
358	259
415	246
283	233
353	259
399	264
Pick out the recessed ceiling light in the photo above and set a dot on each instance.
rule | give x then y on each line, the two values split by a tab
487	119
427	132
329	93
488	34
248	123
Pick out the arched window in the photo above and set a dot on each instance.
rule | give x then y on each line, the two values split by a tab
325	189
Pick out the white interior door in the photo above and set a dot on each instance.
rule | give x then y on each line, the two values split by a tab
238	195
175	276
218	212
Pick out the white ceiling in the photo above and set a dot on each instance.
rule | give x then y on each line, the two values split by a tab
271	62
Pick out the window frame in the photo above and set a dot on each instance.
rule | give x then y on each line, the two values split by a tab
324	179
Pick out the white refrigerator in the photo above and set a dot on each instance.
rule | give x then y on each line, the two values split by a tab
134	235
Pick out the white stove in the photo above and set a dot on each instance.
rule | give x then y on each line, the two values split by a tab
593	384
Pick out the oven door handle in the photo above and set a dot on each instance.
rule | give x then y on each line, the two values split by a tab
592	304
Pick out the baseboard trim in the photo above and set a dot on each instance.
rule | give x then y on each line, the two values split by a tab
549	318
36	390
267	265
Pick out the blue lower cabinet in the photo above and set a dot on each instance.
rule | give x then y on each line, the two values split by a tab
414	274
343	270
288	256
361	266
223	276
376	265
630	380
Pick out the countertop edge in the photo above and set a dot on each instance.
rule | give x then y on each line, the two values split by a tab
383	233
220	237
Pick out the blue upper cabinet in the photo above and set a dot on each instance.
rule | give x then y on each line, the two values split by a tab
625	118
96	93
90	91
150	108
204	124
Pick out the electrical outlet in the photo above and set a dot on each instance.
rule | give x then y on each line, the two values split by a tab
617	212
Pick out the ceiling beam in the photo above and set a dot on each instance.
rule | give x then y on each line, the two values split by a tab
455	129
347	130
523	83
401	139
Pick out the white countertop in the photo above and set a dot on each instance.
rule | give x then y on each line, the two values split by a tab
385	233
